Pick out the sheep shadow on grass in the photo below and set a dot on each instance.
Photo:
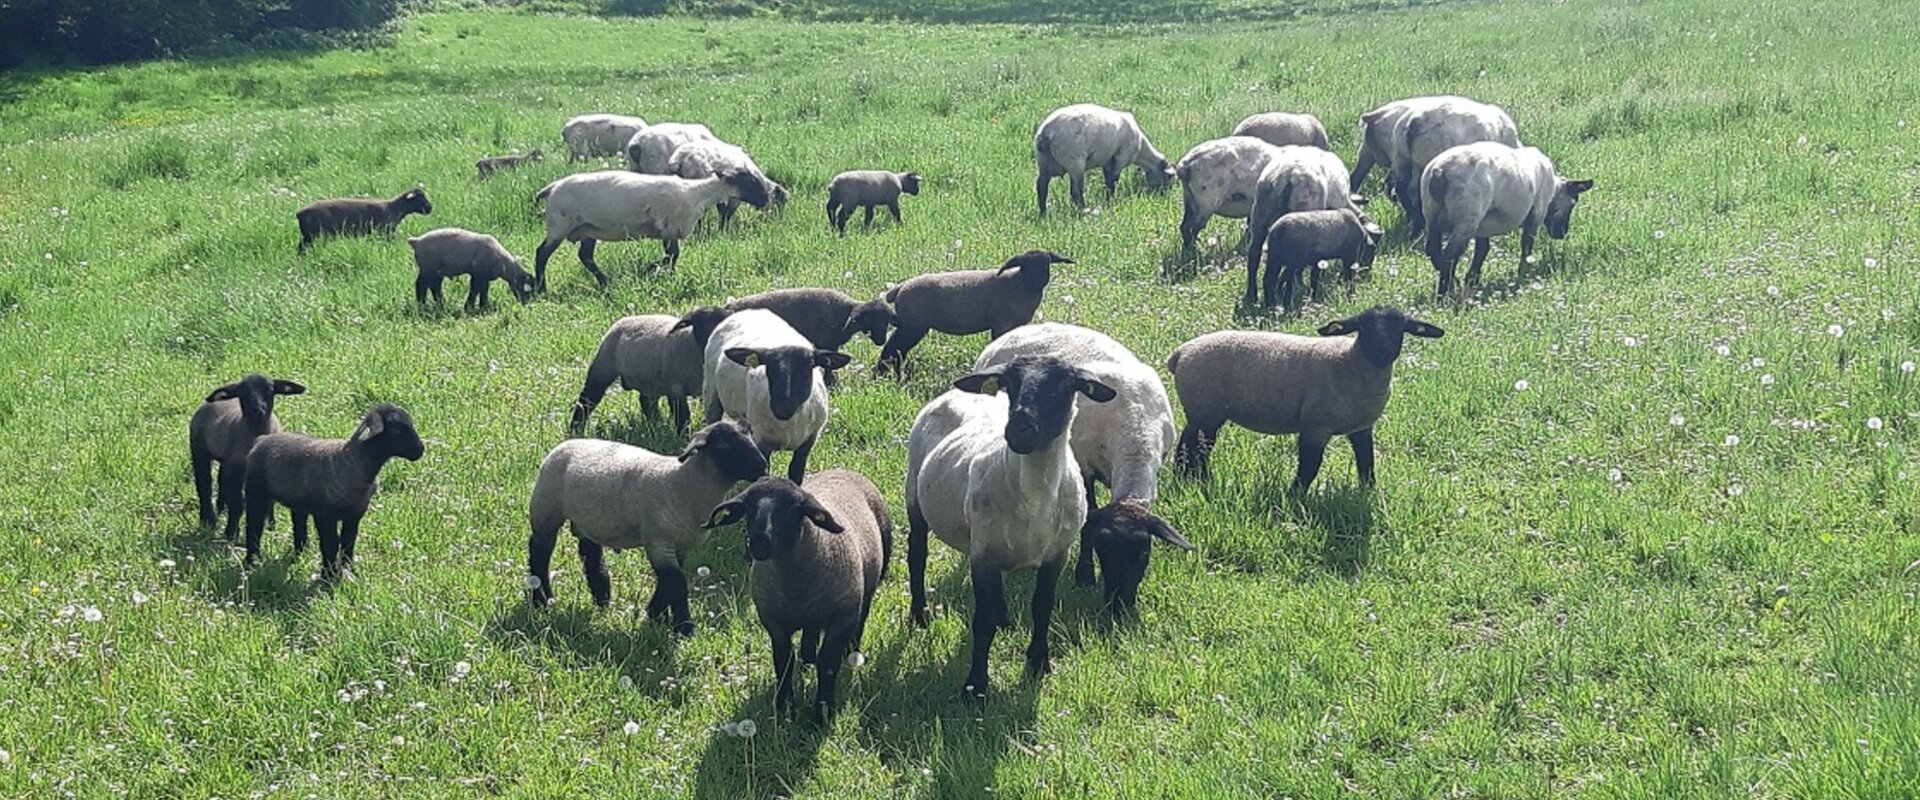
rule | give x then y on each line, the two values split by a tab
278	586
636	648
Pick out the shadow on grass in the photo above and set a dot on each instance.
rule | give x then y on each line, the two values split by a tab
638	649
279	586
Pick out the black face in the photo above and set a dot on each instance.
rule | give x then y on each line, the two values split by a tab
519	282
752	190
387	431
910	183
871	318
1371	244
416	200
1381	329
778	512
729	446
255	393
1123	534
777	196
789	373
703	321
1560	208
1040	392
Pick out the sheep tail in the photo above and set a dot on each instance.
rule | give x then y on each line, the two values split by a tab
1173	360
893	294
1043	145
545	192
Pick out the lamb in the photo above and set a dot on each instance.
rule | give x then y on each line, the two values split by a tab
1219	177
590	136
1281	128
758	368
354	216
1077	138
966	302
223	429
819	555
484	168
620	496
1120	443
650	354
445	252
1303	239
828	318
1487	189
995	479
707	157
867	189
649	150
1277	383
1295	179
1424	133
331	480
620	206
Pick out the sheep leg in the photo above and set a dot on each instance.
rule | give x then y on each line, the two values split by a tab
259	507
677	403
810	645
1445	255
231	474
672	247
540	542
1077	187
540	256
1362	164
596	386
1256	244
725	212
895	352
1313	449
1040	185
1362	442
833	651
1527	229
1480	248
421	286
797	466
299	531
893	207
1192	221
1196	445
782	669
989	610
329	545
1046	582
833	210
203	488
671	590
1279	283
486	292
867	222
349	536
846	213
648	408
586	259
1110	172
917	566
1083	574
710	406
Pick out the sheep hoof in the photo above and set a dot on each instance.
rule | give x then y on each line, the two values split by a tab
683	629
922	618
1083	575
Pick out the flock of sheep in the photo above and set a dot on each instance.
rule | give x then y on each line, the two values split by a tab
1003	467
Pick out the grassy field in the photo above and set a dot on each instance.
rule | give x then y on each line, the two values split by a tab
1644	524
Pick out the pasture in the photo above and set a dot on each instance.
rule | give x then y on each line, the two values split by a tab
1644	524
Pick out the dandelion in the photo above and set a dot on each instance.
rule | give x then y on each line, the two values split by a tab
1614	475
399	741
1521	385
167	563
1722	350
460	669
1886	314
1213	241
1735	490
1677	421
1732	440
631	727
859	659
1835	330
1773	291
139	597
703	571
625	683
1630	342
1906	367
6	757
1066	300
746	728
533	583
92	613
1658	235
1767	379
1870	262
1874	423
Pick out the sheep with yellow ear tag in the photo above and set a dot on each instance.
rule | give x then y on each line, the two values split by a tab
760	370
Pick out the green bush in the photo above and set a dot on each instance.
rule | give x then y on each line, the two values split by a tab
101	31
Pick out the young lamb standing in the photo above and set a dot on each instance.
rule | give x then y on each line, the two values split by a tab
1487	189
1301	240
1219	177
966	302
995	479
1295	179
484	168
590	136
649	150
331	480
355	216
446	252
1278	383
223	429
708	157
819	555
867	189
621	206
1423	134
761	370
650	354
1280	128
1077	138
620	496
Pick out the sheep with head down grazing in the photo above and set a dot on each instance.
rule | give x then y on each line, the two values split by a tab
1078	138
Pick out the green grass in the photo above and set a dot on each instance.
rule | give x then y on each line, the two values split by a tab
1553	592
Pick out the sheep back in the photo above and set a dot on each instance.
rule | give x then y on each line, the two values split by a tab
594	135
1220	176
622	497
820	315
649	357
964	302
1282	128
455	251
1277	383
649	150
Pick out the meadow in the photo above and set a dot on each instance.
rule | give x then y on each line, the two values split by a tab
1644	524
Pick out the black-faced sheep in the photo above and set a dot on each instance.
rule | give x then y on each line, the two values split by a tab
331	480
358	216
867	189
448	252
223	429
760	370
650	354
1301	240
708	157
966	302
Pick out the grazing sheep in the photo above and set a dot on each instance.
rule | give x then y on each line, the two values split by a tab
1487	189
1077	138
759	369
649	150
591	136
1303	239
828	318
868	189
621	206
966	302
1296	179
1278	383
331	480
707	157
621	496
819	555
649	354
1120	443
354	216
445	252
995	479
1122	533
484	168
1378	131
1280	128
1424	133
1219	177
223	429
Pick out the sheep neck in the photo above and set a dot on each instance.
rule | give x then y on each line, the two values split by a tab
1037	475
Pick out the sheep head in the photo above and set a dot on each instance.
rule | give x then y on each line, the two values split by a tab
1040	393
1381	331
789	373
1122	534
1560	209
871	318
778	512
387	431
729	447
255	394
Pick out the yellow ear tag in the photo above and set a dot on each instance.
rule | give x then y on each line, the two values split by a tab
990	386
753	360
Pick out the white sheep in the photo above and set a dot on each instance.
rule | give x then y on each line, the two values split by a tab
1378	129
1296	179
1077	138
1219	177
707	157
1280	128
648	150
1487	189
1423	133
759	369
620	206
593	135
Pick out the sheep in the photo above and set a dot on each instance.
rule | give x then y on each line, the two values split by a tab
590	136
331	480
1295	179
819	555
966	302
358	216
1219	177
484	168
223	429
758	368
620	496
1377	138
649	150
620	206
1301	240
1424	133
867	189
649	354
1487	189
1277	383
446	252
995	480
828	318
1077	138
1120	443
1281	128
706	157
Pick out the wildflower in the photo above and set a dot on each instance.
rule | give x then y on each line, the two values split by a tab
92	613
5	757
139	597
1758	362
746	728
1614	475
1773	291
1767	379
1722	350
859	659
625	683
1735	490
1658	235
631	727
460	669
1732	440
1907	367
1677	421
1630	342
399	741
1835	330
1521	385
1873	424
533	583
1066	300
167	563
1870	262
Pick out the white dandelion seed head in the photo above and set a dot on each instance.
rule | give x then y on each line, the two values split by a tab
1732	440
1521	385
461	668
1677	421
1835	330
1758	362
533	583
625	683
399	740
1066	299
1773	291
92	613
1722	350
167	563
1886	314
631	727
1614	475
1870	262
1906	366
1767	379
1735	490
5	757
746	728
858	659
1803	137
703	571
1630	342
1658	235
140	597
1874	423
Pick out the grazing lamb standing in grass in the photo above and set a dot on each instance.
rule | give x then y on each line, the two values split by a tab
868	189
357	216
1279	383
1295	179
1301	240
1280	128
620	496
649	150
331	480
650	354
1219	177
819	554
591	136
620	206
1078	138
707	157
995	479
445	252
966	302
1422	134
484	168
223	429
761	370
1479	191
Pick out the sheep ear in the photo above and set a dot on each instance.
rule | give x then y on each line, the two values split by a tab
1337	327
1424	330
1164	532
1358	199
743	356
227	392
987	382
369	428
1575	188
725	514
694	444
1094	390
685	322
823	520
288	387
831	360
